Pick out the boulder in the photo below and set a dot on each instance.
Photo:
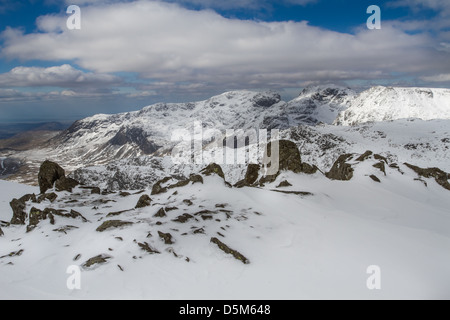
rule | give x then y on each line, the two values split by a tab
66	184
375	178
213	168
284	184
144	201
167	237
1	232
19	214
49	173
341	170
157	188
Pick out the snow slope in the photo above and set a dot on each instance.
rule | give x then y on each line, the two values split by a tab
390	103
299	247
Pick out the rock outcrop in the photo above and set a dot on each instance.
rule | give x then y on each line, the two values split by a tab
341	170
51	174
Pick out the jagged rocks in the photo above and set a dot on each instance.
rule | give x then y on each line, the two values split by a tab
364	156
144	201
100	259
251	176
146	247
36	216
341	170
65	184
19	214
213	168
183	218
380	166
47	196
167	237
284	184
49	173
113	224
158	189
289	160
160	214
440	176
237	255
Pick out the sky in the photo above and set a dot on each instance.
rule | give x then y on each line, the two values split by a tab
130	54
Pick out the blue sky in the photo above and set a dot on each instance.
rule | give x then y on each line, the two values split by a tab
129	54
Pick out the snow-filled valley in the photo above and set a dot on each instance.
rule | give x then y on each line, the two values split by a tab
139	226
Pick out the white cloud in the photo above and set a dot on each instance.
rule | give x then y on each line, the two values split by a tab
437	78
200	50
59	76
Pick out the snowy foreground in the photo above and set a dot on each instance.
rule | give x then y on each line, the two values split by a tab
299	246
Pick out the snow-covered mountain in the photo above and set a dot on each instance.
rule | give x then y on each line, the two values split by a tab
116	141
389	103
319	104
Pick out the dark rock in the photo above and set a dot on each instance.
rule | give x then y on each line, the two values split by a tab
221	205
381	166
49	173
440	176
144	201
47	196
284	184
196	178
213	168
380	158
375	178
118	213
124	194
113	224
252	173
289	160
75	214
341	170
36	216
28	197
158	189
146	247
100	259
65	184
237	255
161	213
19	214
14	254
199	231
65	229
1	232
364	156
297	193
167	237
188	202
96	190
308	169
183	218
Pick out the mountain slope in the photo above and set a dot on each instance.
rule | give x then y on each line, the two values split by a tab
388	103
312	240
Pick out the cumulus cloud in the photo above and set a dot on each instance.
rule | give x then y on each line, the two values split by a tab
172	48
64	76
